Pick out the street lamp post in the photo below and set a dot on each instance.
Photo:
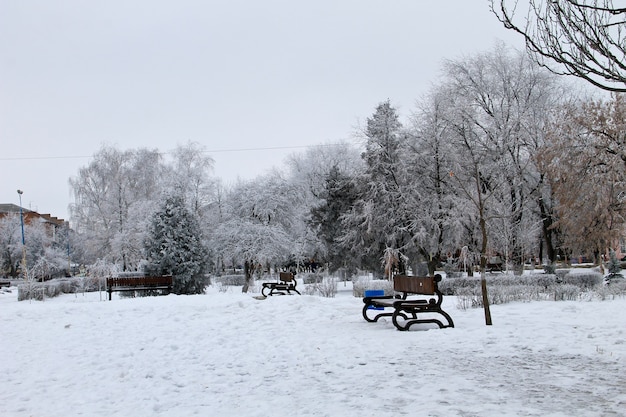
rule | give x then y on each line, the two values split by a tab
20	192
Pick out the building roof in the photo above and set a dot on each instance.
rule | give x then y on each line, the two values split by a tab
14	208
11	208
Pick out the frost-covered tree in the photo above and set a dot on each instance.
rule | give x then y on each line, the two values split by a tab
500	104
174	246
437	212
315	176
376	221
309	170
189	171
190	174
259	219
10	244
213	215
112	196
45	250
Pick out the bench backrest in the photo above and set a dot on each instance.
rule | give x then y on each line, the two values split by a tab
165	280
286	277
416	285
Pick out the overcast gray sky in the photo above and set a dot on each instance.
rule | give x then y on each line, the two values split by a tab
236	76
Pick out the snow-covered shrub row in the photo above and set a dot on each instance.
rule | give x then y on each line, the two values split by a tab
499	294
37	291
230	280
585	280
54	287
560	274
363	284
471	297
566	292
451	286
507	288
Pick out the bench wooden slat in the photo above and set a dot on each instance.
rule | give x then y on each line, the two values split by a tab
164	282
414	285
139	281
286	277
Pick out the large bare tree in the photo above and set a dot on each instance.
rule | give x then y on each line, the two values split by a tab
586	154
584	38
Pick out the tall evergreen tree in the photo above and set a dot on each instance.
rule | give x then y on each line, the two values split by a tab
338	196
174	246
373	225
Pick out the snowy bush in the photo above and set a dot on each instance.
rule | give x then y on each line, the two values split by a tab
326	288
616	288
584	280
363	284
38	290
231	280
309	289
546	280
55	287
467	297
566	292
560	274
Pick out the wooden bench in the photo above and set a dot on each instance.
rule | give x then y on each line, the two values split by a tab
286	282
418	296
139	284
5	283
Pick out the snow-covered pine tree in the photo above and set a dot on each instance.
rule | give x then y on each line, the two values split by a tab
174	246
373	222
338	196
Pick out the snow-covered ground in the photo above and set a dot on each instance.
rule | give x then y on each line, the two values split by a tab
229	354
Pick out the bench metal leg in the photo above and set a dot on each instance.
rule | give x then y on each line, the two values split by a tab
376	316
406	323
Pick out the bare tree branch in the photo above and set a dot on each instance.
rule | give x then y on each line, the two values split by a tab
584	38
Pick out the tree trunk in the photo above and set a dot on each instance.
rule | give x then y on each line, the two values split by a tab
547	231
433	261
483	265
248	270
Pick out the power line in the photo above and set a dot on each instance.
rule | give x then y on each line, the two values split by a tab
267	148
